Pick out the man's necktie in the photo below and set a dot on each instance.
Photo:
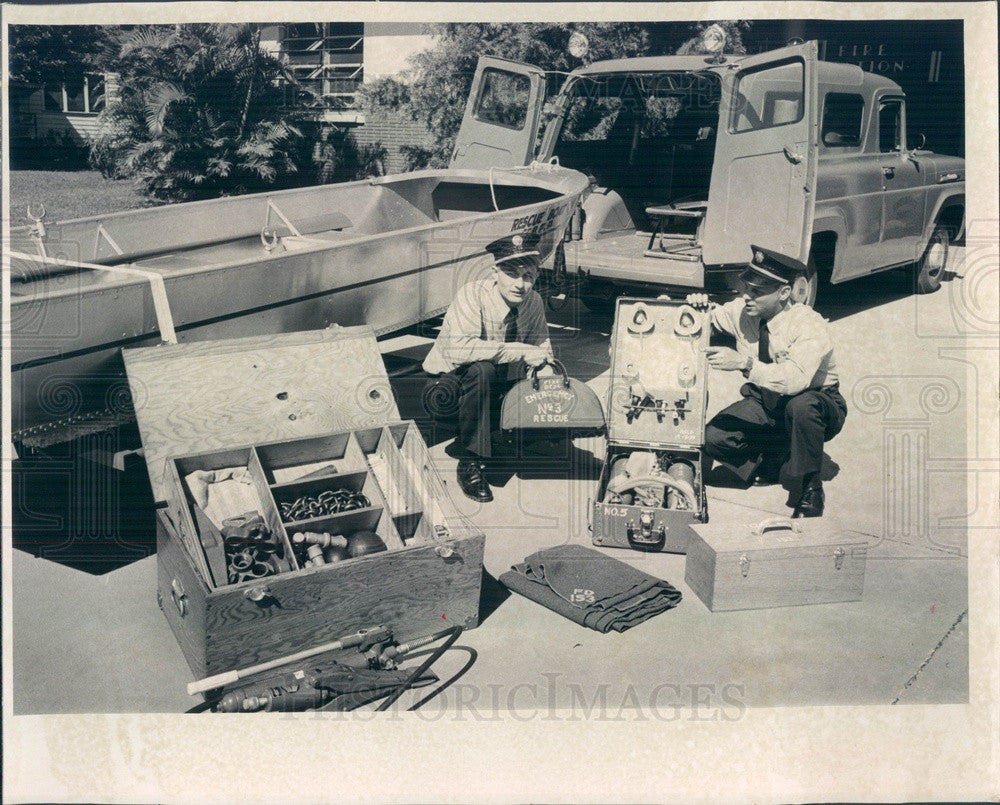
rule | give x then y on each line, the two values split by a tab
510	326
764	343
768	397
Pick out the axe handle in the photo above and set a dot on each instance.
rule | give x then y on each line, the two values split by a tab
228	677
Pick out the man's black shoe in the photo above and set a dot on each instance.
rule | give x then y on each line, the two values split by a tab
470	478
811	502
768	472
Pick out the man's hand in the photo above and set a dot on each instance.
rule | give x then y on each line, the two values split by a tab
729	360
697	300
535	356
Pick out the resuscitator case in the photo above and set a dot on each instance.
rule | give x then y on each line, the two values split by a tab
293	507
650	489
776	563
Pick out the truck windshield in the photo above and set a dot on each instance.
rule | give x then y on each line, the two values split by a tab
648	136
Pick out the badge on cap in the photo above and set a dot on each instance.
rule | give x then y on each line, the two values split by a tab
520	245
758	256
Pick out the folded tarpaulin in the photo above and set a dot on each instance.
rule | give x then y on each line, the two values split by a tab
590	588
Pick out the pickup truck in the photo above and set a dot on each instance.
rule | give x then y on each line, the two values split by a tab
692	159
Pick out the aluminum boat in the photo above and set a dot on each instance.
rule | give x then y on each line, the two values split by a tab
388	252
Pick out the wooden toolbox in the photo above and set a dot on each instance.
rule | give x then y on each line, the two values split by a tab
308	424
777	563
650	489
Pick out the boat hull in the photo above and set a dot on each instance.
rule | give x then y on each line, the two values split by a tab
388	252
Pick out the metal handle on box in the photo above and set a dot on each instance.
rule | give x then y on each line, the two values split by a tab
178	596
257	594
775	522
449	553
647	535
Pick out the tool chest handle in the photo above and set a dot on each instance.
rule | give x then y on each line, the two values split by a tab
555	364
775	522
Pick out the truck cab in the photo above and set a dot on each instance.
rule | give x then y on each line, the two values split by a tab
692	159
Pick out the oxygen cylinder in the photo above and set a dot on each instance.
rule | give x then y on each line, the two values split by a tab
682	472
618	471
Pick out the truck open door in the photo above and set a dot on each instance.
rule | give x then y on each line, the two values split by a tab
768	122
500	127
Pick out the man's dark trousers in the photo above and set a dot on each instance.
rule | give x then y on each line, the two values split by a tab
482	386
765	425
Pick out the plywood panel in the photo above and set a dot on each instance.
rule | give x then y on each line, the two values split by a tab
215	395
179	588
415	591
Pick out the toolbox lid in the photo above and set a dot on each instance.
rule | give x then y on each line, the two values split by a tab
657	394
780	537
214	395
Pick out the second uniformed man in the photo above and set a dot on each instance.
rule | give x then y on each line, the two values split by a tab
791	401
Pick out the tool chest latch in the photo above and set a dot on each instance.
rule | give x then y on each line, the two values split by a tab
646	534
178	596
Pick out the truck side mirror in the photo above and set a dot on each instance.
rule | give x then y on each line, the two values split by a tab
912	152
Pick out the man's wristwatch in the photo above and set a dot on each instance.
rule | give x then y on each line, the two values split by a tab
749	366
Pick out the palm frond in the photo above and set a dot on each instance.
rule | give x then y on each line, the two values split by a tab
147	38
158	100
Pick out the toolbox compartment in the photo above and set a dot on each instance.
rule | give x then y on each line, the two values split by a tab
303	423
657	398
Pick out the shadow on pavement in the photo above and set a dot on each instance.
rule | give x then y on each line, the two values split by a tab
837	302
722	476
491	595
70	507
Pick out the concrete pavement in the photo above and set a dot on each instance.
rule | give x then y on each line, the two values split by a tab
897	474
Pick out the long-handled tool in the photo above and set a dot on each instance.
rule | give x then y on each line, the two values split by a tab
370	636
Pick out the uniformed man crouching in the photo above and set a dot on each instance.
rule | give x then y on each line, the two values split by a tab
494	328
791	403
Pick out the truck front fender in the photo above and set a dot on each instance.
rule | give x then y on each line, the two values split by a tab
949	209
604	211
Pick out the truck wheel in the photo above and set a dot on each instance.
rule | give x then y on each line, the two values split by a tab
930	267
804	288
599	297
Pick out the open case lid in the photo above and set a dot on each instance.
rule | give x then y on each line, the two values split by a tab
657	394
214	395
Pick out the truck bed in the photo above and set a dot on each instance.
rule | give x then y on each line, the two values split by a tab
622	257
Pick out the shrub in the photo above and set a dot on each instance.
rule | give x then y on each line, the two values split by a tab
198	113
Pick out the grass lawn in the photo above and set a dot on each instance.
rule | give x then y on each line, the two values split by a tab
70	194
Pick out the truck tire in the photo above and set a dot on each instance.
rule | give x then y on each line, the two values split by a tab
599	297
804	288
930	267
